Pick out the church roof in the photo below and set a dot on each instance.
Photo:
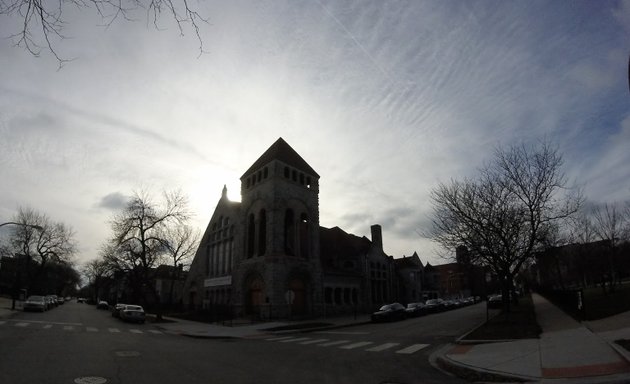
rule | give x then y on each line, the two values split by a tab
282	151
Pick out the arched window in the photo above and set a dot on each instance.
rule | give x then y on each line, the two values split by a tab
251	236
262	233
289	232
304	238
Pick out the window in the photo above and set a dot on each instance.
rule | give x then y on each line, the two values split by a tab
289	233
262	235
265	172
251	236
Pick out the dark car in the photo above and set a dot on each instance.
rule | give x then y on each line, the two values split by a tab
415	309
434	305
117	308
495	301
102	305
389	312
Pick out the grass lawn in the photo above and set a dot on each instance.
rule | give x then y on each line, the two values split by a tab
598	305
520	323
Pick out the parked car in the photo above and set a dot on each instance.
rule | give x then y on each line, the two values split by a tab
35	303
117	308
389	312
60	300
495	301
415	309
50	301
132	313
80	300
102	305
434	305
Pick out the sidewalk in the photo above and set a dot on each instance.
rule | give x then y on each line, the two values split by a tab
5	308
567	351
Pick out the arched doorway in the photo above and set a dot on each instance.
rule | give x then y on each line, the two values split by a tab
298	307
255	295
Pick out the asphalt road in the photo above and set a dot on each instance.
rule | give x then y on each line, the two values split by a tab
77	341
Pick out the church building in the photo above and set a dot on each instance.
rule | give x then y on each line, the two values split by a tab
268	257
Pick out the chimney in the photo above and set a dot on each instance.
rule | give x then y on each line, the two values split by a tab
377	237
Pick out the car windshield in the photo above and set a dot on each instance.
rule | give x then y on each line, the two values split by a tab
385	307
133	308
36	298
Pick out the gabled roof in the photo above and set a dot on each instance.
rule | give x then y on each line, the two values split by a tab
336	243
282	151
412	261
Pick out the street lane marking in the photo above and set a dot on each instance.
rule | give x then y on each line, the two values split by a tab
135	331
68	328
91	329
413	348
382	347
279	338
294	340
47	322
357	345
330	344
344	333
22	324
114	330
314	341
47	326
155	331
2	322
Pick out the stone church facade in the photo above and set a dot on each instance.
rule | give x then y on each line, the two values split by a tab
268	257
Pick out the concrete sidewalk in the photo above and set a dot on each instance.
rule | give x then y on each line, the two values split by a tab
5	307
567	351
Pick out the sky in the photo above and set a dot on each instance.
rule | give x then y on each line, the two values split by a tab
384	99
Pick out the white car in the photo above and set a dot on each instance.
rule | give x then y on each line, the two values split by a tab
35	303
132	313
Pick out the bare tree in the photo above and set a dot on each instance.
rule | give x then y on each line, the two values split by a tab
181	243
95	271
504	215
42	23
611	225
137	245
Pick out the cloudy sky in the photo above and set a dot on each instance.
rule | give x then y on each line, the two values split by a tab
384	99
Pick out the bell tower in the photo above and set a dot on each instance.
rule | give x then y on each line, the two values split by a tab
280	269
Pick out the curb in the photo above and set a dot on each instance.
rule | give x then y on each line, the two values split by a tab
476	374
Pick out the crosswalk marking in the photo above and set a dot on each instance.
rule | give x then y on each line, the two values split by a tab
68	328
279	338
296	339
135	331
22	324
313	341
47	326
91	329
332	343
113	330
357	345
413	348
382	347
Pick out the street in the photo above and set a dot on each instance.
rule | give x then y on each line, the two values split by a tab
76	341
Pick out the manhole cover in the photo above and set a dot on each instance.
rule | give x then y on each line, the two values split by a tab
127	353
90	380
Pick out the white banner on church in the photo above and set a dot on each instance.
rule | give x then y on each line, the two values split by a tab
217	281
